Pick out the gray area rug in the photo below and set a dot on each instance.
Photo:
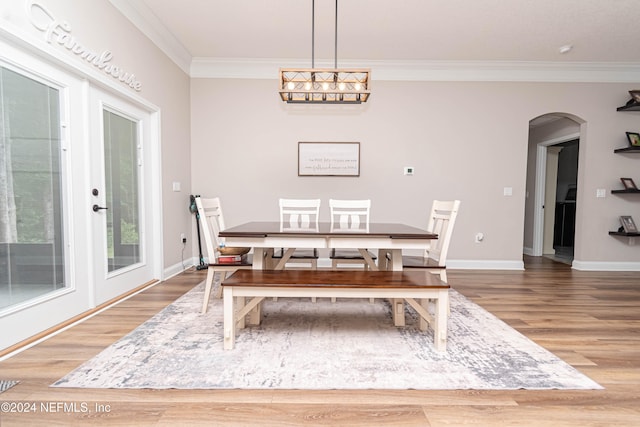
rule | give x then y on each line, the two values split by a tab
6	385
350	344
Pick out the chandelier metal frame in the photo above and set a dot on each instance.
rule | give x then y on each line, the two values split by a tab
324	85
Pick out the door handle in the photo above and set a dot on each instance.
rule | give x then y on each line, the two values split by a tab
96	208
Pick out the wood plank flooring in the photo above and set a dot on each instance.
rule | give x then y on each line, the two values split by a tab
590	319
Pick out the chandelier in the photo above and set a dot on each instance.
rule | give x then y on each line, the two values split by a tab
324	85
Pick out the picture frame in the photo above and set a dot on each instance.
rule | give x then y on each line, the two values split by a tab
329	159
628	224
628	184
634	139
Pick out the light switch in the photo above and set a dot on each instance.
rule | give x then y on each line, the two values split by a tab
176	186
508	191
601	192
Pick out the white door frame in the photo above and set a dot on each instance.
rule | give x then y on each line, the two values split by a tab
110	285
541	174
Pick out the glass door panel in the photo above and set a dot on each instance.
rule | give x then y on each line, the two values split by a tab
122	193
32	259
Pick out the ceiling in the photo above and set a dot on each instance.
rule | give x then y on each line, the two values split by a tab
407	31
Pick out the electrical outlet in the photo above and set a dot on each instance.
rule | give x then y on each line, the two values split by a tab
183	238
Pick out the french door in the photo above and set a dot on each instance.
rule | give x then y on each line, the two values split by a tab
80	220
120	195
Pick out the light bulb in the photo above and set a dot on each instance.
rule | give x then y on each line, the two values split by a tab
307	86
341	86
358	86
325	86
291	85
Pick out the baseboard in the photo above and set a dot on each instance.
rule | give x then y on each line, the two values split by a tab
178	268
605	266
461	264
528	251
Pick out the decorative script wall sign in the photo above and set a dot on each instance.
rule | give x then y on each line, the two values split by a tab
328	159
60	32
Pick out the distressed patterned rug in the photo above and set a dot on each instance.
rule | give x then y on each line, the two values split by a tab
6	385
350	344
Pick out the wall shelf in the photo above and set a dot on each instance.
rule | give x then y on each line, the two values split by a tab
631	107
630	149
623	234
625	191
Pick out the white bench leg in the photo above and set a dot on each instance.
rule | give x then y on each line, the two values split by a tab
440	320
229	327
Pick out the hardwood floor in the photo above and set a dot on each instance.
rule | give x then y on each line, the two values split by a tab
589	319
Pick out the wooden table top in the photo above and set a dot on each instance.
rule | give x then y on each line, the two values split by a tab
272	228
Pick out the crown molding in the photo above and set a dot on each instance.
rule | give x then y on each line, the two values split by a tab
146	21
381	70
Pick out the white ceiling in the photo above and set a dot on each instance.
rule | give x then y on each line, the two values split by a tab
602	32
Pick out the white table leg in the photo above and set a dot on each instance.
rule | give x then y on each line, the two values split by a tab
258	259
382	259
395	263
267	256
229	326
397	307
398	304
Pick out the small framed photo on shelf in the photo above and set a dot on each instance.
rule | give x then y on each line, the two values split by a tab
628	184
634	139
628	225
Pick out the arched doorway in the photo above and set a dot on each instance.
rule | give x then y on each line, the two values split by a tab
552	204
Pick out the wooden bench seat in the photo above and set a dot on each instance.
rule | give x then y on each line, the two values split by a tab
415	287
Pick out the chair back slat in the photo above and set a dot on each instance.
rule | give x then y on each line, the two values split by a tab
350	214
299	214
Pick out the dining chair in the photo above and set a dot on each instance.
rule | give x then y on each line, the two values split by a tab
298	215
441	222
352	216
211	223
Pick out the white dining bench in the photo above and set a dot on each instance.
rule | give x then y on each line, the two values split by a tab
414	287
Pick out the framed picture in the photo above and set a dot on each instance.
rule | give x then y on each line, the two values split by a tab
328	159
634	139
628	184
628	225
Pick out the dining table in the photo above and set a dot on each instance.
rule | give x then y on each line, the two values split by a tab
388	238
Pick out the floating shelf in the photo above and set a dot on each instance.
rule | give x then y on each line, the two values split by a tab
622	233
625	191
629	149
633	107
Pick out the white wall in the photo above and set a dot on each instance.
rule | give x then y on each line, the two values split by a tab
466	141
